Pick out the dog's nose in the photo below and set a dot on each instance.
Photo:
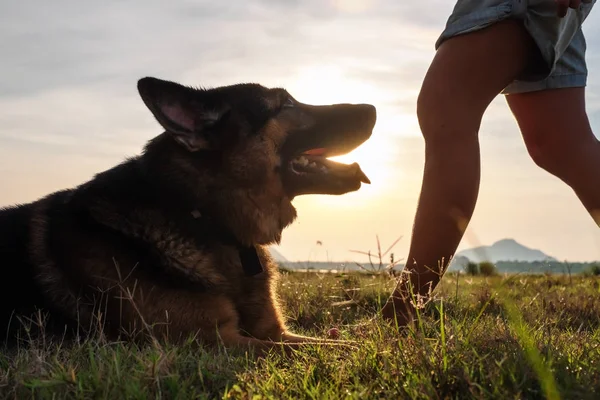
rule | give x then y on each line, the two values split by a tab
369	112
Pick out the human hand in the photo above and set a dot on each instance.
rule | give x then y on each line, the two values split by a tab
564	5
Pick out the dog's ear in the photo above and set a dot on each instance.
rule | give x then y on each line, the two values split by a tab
182	111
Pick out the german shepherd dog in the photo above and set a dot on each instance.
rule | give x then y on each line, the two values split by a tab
173	242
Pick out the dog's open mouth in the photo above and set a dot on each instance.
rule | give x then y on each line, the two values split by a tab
316	174
307	169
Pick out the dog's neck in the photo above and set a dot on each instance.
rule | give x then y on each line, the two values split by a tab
249	258
195	193
195	188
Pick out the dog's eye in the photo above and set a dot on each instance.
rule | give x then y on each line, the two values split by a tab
289	103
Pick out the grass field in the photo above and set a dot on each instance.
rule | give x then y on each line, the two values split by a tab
500	337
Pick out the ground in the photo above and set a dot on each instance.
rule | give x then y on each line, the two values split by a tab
497	337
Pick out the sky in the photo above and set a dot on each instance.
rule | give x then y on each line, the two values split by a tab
69	108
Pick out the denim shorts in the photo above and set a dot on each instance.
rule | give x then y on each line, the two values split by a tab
560	40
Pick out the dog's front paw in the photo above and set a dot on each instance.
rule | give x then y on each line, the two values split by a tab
289	337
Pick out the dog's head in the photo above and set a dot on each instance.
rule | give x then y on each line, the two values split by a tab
248	150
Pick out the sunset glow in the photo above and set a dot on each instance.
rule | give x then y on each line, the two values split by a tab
69	108
326	84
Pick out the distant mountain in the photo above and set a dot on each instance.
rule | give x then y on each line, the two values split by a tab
504	250
277	256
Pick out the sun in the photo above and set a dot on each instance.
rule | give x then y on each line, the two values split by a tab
327	84
321	85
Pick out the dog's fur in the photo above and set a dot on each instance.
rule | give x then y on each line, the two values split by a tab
167	242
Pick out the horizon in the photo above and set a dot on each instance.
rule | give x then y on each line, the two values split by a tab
69	109
278	254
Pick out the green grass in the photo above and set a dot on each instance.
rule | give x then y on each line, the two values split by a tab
497	337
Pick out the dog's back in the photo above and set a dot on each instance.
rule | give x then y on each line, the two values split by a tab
19	293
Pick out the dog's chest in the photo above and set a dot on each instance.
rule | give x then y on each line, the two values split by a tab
241	262
250	260
198	249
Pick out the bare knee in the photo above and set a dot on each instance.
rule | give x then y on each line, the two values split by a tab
542	153
555	152
446	120
556	130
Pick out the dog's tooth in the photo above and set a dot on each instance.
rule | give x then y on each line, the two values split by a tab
313	165
303	161
362	177
324	169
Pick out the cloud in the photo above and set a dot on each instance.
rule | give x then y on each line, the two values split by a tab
65	43
69	105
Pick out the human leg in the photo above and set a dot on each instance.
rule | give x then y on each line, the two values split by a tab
466	74
536	51
559	138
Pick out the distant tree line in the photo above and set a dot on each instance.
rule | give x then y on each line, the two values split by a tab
484	268
471	268
489	269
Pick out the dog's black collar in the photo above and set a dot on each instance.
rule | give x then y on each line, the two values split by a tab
248	255
250	260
